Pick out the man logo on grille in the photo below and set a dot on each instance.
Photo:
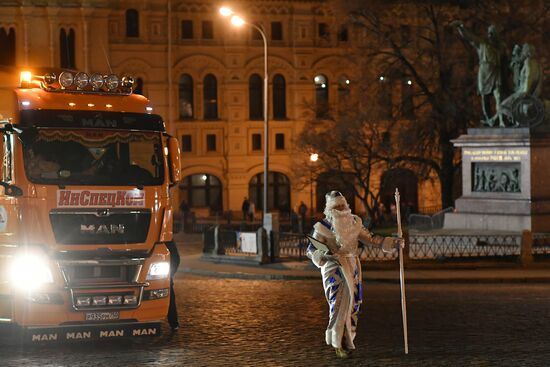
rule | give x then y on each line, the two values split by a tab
102	229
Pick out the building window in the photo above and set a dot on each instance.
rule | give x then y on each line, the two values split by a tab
256	141
343	34
276	31
321	96
207	30
139	86
132	23
385	98
255	97
210	97
279	141
343	88
279	97
67	48
186	145
323	31
187	29
278	191
7	46
202	190
186	97
210	143
407	105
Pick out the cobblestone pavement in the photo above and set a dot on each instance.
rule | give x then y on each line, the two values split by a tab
232	322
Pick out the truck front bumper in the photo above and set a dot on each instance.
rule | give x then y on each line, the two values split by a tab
79	332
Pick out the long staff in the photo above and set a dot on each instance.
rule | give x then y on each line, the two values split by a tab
402	274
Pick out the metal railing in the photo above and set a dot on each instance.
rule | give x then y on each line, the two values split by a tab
426	246
292	245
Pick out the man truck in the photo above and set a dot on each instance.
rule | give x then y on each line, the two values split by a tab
84	207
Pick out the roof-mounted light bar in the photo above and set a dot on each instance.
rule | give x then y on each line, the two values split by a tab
80	82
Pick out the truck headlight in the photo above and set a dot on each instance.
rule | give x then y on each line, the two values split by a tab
159	270
30	271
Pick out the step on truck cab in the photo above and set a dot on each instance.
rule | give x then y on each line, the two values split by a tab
84	208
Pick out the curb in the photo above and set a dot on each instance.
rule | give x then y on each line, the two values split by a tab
458	280
247	276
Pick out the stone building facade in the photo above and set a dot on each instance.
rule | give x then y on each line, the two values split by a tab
205	78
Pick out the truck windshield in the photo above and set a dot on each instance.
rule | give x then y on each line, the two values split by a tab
92	157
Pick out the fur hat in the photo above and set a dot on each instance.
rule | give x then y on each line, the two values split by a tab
333	199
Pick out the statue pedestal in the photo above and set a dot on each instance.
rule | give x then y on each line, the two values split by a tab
505	181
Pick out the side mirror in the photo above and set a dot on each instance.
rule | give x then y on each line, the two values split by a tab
11	190
174	159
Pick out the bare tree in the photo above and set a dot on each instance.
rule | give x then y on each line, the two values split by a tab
351	150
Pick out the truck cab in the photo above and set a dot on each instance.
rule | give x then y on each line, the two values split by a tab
84	207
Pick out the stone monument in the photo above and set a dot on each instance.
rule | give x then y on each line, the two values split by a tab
506	169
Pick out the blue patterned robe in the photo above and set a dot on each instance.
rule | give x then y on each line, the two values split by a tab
342	281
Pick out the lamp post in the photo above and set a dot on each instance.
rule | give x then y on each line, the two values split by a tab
237	21
312	158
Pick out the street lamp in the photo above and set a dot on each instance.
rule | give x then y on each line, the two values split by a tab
312	158
237	21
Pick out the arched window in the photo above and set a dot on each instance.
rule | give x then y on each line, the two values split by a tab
7	46
407	104
321	96
210	99
186	97
385	105
255	98
132	23
139	86
202	190
278	191
279	97
343	88
343	94
67	48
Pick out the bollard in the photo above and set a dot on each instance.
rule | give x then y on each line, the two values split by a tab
218	250
262	245
526	253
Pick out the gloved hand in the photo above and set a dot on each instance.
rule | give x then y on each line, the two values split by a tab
391	244
399	242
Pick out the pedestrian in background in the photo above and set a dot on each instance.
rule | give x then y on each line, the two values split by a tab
251	211
184	213
302	210
245	207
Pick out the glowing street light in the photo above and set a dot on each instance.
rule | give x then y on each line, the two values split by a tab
237	21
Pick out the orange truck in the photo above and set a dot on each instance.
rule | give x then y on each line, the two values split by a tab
84	208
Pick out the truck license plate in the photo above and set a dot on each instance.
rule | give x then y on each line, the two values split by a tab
101	316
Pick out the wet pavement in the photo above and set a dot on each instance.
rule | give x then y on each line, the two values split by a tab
239	322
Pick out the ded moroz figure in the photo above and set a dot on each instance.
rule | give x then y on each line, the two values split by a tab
334	249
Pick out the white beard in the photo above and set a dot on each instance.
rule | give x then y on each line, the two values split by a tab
345	227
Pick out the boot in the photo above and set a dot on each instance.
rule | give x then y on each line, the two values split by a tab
341	353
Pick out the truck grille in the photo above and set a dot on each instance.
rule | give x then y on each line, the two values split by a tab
101	226
93	283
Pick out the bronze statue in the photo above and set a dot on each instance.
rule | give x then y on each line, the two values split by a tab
492	56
